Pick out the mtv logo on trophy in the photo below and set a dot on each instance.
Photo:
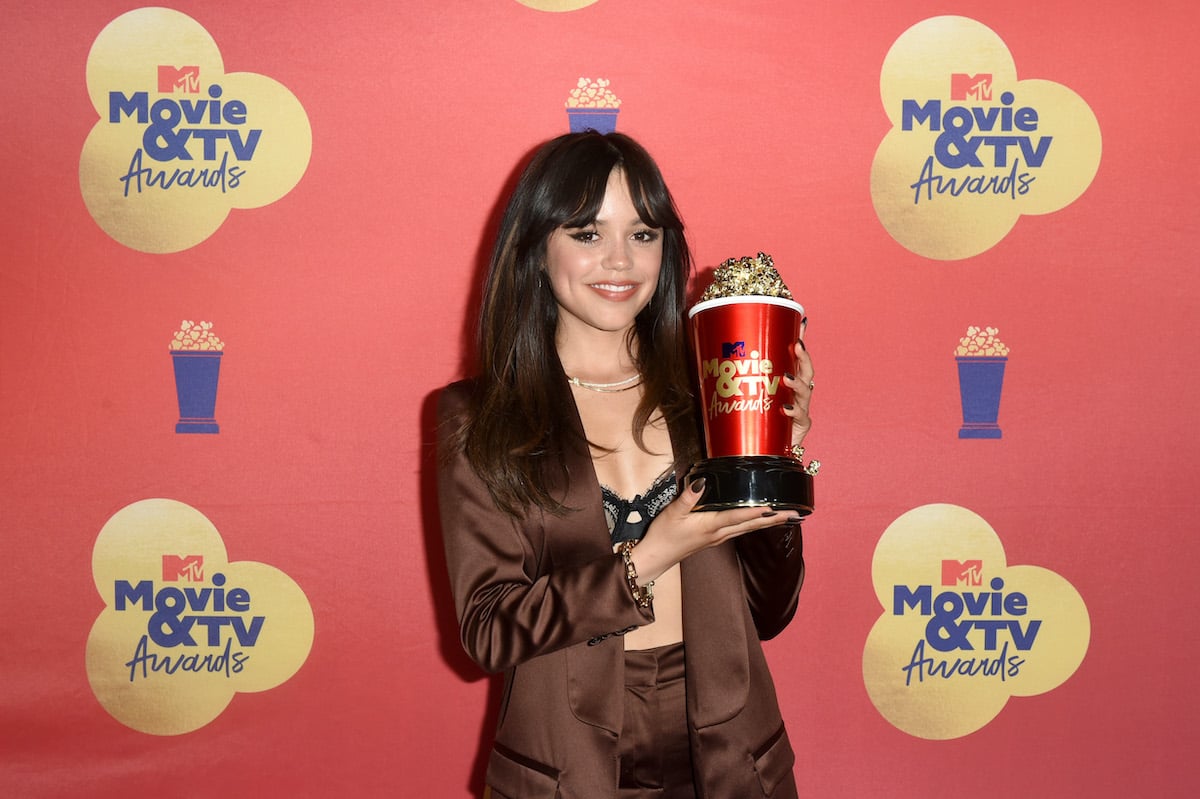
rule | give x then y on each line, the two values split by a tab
743	332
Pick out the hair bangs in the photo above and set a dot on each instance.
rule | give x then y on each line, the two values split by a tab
582	199
651	200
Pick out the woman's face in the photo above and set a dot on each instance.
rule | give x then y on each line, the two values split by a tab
605	273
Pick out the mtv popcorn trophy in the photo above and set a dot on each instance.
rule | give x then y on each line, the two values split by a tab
744	329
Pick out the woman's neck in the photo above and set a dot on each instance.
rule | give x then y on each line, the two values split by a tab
597	356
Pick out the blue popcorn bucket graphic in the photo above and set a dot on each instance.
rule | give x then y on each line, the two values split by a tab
196	374
980	380
601	120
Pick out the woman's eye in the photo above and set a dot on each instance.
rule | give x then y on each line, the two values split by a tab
646	236
585	236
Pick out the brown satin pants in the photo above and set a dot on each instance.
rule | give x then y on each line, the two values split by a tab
656	760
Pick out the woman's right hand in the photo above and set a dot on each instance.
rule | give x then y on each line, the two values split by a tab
678	532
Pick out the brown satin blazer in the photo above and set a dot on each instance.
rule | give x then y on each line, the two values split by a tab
540	601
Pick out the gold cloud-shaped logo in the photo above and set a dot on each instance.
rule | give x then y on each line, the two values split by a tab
971	147
962	630
556	5
179	142
184	629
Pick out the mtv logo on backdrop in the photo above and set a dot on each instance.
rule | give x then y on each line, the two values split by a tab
189	568
733	349
971	87
962	572
183	79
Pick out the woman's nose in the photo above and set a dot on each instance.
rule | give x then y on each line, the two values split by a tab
617	258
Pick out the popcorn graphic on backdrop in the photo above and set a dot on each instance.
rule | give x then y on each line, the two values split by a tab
591	105
590	93
981	357
197	336
196	356
981	342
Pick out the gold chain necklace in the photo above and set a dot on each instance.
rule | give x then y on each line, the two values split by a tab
608	388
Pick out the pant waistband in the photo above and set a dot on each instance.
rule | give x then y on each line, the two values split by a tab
656	666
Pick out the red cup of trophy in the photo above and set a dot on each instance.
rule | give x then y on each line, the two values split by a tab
743	345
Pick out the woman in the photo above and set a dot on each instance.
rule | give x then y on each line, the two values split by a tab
627	629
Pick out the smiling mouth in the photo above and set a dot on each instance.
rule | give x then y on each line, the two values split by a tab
614	291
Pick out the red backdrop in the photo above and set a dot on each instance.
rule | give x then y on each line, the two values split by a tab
345	303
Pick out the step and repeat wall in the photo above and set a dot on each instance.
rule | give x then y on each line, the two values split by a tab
243	249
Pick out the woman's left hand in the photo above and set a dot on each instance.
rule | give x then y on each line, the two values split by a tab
800	381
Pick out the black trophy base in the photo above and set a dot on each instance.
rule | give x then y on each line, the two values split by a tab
754	481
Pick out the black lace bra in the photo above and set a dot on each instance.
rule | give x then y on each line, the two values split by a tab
629	518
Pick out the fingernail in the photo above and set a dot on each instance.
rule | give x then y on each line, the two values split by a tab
769	514
789	375
788	406
697	485
802	345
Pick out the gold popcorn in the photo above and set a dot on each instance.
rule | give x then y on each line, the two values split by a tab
738	277
981	342
590	93
196	336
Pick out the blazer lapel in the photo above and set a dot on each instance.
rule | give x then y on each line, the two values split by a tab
714	628
595	674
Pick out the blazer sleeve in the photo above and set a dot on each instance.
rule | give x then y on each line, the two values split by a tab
512	603
772	563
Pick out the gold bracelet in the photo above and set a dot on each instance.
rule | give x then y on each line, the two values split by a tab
797	453
643	596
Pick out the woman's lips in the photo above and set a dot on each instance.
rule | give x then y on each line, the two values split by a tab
614	291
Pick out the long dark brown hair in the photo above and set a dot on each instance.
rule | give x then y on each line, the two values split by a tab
519	423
